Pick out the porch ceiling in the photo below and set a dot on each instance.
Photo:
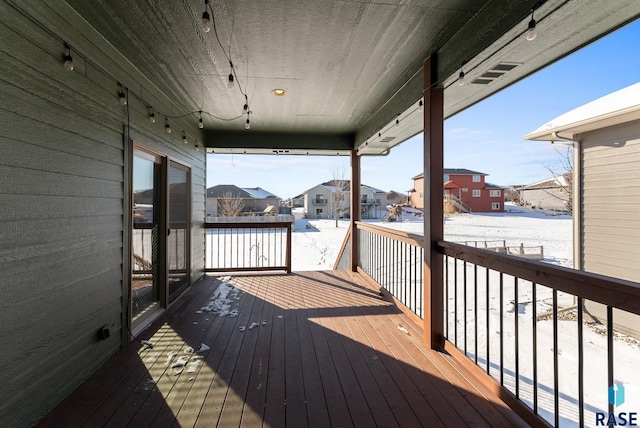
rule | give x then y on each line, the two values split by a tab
349	67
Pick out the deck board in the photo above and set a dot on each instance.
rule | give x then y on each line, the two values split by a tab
326	351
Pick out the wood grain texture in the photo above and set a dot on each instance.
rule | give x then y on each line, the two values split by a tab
325	351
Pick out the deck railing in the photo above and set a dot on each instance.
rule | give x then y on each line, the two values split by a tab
555	340
248	246
394	260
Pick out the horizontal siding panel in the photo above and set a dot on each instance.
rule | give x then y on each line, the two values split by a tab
31	207
61	262
82	352
630	192
28	156
33	182
59	311
31	233
613	248
613	268
604	229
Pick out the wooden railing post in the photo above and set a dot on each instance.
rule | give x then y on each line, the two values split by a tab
289	233
355	208
433	209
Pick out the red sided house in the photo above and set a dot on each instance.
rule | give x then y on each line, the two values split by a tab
467	190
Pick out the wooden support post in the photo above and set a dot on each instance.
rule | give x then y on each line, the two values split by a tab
433	209
355	208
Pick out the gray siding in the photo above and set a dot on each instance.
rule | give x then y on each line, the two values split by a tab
610	201
609	241
63	212
551	198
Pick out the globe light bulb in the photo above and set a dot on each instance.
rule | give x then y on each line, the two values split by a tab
230	85
68	62
461	81
247	125
152	117
531	31
206	27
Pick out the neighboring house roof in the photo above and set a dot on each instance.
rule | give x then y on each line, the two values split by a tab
554	182
461	171
492	186
394	193
453	171
259	193
334	186
618	107
373	189
221	190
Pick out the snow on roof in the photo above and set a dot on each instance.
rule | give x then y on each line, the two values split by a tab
258	193
559	181
222	190
618	107
373	189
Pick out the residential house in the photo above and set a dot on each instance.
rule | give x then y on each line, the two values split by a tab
252	200
396	198
323	200
90	91
550	194
467	190
605	135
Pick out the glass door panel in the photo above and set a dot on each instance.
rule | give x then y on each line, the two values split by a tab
179	228
145	278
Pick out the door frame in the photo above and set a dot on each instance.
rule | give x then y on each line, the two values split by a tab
136	148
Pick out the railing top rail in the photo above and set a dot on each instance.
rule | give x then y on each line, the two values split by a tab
251	225
409	238
614	292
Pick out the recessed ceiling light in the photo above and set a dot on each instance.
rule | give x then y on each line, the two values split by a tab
279	92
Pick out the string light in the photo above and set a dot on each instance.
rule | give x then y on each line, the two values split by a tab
230	85
200	122
123	98
167	126
398	121
531	29
245	108
197	147
461	81
420	105
152	115
206	18
247	124
184	137
68	60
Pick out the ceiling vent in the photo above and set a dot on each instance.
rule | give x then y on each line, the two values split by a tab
495	73
387	139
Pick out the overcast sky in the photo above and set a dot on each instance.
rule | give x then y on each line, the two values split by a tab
485	137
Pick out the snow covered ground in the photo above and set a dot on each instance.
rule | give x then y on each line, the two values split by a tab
316	244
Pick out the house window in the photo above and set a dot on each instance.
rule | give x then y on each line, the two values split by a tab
446	177
476	193
319	212
363	199
476	179
495	205
494	193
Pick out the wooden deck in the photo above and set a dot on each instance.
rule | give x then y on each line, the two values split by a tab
327	351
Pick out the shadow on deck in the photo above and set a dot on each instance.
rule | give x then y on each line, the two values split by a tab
326	351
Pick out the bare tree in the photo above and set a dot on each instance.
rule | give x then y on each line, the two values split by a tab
563	175
339	194
230	205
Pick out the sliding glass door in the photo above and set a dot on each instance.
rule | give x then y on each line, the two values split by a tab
160	235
